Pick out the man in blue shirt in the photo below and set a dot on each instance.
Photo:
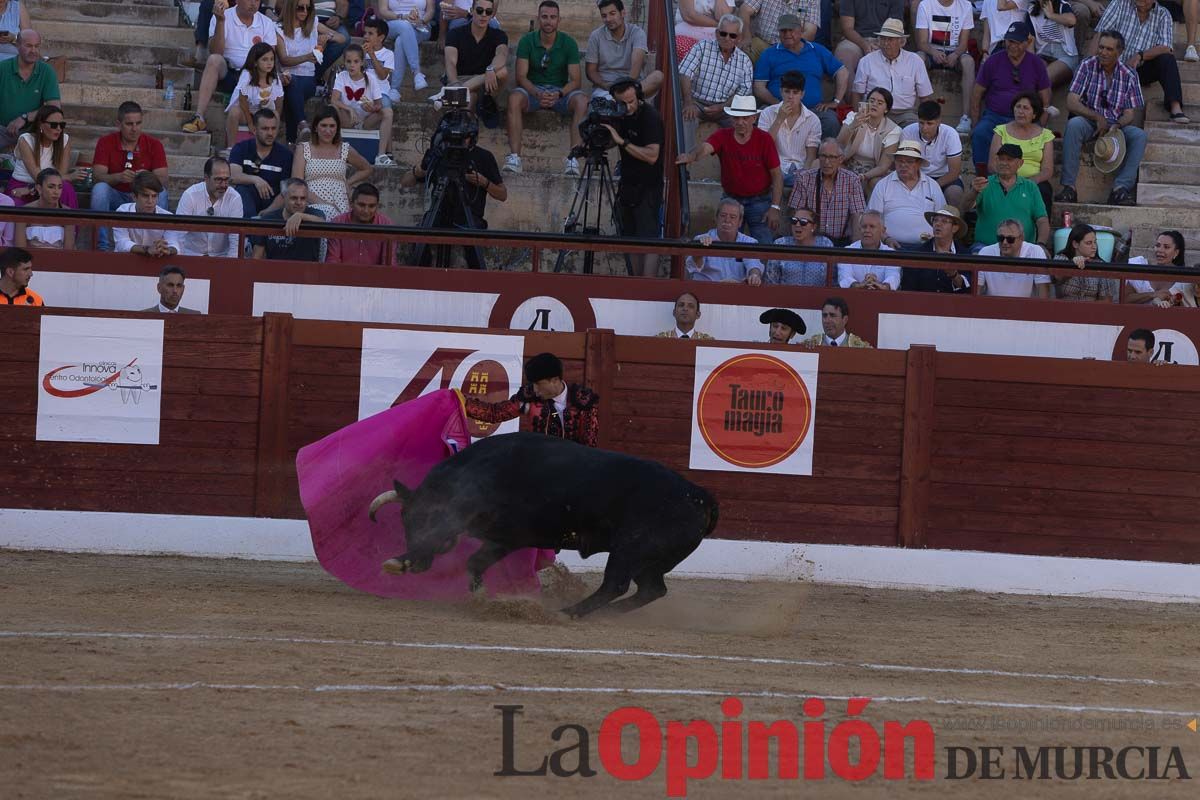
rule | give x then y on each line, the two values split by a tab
814	61
257	166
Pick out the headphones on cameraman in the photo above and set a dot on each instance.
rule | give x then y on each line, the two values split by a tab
637	86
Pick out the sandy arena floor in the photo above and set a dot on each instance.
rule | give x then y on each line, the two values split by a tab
166	677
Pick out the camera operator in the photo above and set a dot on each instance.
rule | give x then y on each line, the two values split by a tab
480	176
639	137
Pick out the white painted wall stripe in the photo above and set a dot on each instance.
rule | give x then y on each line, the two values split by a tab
580	690
585	651
881	567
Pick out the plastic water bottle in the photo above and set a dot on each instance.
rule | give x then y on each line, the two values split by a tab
169	94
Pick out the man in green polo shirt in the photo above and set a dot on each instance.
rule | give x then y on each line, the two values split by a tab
549	78
26	84
1003	195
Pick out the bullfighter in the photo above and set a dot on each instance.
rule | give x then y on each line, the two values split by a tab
568	411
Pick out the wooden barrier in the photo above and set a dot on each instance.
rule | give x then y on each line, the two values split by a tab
912	448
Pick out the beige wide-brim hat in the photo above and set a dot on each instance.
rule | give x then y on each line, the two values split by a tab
892	28
1109	151
960	226
912	150
743	105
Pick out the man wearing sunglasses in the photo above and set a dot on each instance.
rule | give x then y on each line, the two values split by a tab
1105	95
119	156
211	198
1004	75
477	58
711	75
549	78
1010	243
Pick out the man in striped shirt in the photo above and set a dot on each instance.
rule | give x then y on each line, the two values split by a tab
711	75
1149	47
1104	95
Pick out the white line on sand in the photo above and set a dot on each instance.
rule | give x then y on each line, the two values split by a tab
487	687
583	651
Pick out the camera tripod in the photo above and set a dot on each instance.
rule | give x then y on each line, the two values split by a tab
587	214
448	196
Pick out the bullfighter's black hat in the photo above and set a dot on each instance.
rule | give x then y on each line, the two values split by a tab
543	366
786	316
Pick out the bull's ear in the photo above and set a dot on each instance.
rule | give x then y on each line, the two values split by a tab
403	492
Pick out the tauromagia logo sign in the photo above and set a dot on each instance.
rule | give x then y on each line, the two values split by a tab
753	410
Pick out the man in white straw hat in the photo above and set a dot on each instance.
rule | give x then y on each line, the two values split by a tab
750	172
947	225
711	74
1105	98
905	196
901	72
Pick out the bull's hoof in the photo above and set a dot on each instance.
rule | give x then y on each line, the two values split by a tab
476	584
397	566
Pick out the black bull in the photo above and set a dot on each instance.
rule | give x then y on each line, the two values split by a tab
531	490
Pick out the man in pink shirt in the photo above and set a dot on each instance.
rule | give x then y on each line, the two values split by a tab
364	210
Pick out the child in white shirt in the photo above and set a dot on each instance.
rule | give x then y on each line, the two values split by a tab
357	96
258	87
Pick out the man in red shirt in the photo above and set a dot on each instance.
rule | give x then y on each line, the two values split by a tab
364	210
16	270
750	170
119	156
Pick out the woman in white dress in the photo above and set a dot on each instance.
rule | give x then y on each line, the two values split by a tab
323	164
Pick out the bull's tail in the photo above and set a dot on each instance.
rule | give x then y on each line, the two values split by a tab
713	514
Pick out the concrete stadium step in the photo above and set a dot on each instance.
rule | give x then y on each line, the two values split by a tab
112	96
1157	172
137	55
154	119
1168	194
535	202
100	73
544	145
176	143
1136	217
164	14
59	32
1154	95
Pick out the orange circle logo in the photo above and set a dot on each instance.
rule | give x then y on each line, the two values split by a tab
754	410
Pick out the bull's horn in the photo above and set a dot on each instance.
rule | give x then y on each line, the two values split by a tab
389	496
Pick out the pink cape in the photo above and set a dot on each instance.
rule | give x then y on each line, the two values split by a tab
341	474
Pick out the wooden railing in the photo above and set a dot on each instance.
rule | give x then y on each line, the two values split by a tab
914	448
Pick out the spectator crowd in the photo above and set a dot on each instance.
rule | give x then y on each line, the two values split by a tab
818	144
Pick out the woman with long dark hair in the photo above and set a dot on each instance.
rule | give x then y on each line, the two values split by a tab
1170	251
45	145
28	234
300	48
323	164
1081	249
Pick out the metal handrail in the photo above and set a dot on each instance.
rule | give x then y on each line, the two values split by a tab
602	244
677	110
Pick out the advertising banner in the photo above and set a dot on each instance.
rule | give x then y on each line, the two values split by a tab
753	411
403	365
100	380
